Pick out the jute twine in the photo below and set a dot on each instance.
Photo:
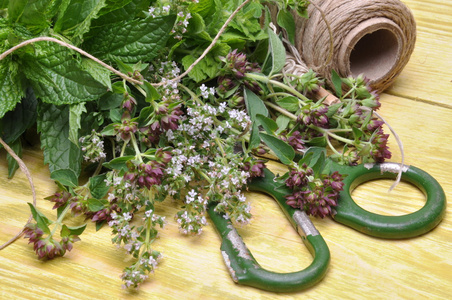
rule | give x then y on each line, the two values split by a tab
352	37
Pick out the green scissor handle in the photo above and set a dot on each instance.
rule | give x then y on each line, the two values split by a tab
244	269
389	227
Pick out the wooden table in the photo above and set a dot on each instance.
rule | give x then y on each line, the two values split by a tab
418	106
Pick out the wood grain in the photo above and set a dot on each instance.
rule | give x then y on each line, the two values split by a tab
418	106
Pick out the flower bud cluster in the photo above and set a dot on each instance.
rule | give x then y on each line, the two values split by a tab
93	147
192	218
315	195
315	114
236	65
46	247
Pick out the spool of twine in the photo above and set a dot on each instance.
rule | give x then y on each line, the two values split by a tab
370	37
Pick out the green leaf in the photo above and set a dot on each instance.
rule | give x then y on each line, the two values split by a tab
117	11
75	115
282	150
196	24
207	68
65	177
11	86
34	15
285	20
98	72
357	133
119	163
290	103
14	123
255	139
40	219
337	83
317	160
108	130
282	121
110	101
13	165
98	187
57	78
59	152
76	18
96	204
131	41
332	109
99	224
277	52
202	7
269	125
67	231
254	105
151	93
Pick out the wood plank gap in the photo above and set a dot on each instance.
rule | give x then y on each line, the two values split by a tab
417	99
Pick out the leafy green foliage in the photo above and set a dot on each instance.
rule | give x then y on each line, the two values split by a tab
40	218
11	87
14	123
76	15
97	186
57	78
59	152
283	151
131	41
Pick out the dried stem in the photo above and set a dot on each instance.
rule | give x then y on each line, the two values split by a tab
24	169
64	44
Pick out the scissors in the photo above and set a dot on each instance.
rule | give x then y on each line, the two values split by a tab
244	269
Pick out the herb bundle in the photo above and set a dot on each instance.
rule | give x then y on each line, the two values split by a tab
150	133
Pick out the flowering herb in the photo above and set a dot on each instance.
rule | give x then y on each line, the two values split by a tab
153	133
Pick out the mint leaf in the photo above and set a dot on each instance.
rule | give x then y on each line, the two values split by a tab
131	41
282	150
59	152
35	15
14	123
75	115
97	71
98	187
207	68
117	11
65	177
11	87
76	18
58	78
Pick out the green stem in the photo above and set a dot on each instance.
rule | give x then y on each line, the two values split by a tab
281	110
333	135
59	221
204	175
135	147
332	147
284	86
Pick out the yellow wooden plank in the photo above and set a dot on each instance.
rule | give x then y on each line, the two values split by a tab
428	74
361	266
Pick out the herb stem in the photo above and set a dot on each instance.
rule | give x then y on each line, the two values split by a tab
281	110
